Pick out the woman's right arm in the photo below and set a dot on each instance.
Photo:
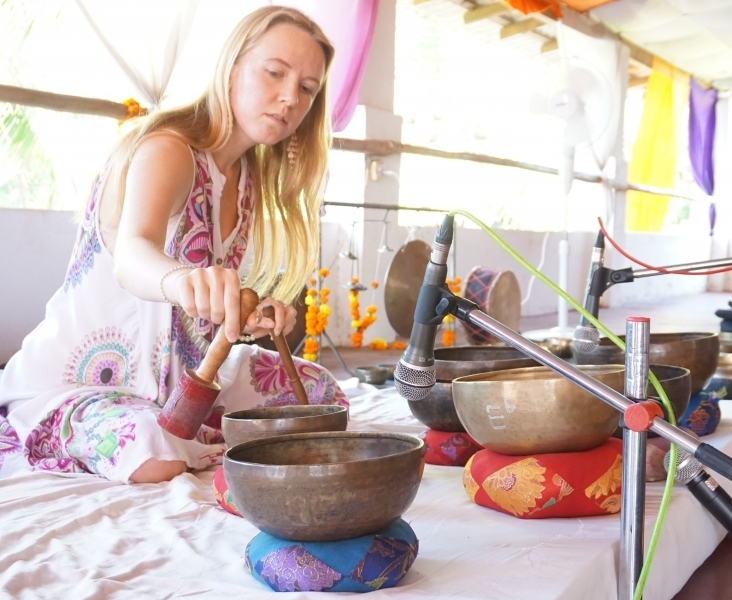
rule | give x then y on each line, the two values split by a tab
157	186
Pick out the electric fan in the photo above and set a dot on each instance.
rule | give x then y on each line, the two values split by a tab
576	92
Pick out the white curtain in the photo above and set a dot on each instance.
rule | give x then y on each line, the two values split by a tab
145	38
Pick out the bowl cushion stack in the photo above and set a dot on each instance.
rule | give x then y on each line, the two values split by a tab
363	564
448	448
541	486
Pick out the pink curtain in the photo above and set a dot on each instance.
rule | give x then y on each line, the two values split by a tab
349	24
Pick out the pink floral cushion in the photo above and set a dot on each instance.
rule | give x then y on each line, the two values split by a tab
222	494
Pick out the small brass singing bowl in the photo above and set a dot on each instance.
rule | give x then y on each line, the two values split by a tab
535	410
321	487
437	409
245	425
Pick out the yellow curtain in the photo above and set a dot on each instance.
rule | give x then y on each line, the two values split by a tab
656	147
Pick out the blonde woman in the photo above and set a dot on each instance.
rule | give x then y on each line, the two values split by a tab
156	265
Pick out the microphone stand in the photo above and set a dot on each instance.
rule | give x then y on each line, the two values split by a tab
639	416
603	278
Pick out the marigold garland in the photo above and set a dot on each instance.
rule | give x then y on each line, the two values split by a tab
316	317
382	344
133	110
359	323
448	332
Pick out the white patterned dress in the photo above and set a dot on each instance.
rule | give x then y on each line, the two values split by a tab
84	391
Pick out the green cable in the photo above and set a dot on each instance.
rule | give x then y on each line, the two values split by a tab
666	498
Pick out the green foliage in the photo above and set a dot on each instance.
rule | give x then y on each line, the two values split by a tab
27	179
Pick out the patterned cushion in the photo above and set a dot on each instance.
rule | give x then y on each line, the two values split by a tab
362	564
567	484
446	448
222	494
703	415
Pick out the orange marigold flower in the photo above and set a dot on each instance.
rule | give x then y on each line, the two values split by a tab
378	344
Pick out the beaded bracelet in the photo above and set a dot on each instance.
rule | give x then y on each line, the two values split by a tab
168	272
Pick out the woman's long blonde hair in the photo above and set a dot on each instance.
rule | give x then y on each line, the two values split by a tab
286	216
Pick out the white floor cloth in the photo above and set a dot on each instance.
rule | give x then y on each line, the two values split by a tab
82	537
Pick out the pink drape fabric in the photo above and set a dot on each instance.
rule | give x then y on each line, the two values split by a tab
349	24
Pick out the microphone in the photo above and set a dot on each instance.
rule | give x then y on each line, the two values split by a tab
586	337
414	376
689	471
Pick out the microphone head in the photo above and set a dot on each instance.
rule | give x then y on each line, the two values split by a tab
413	383
687	467
586	339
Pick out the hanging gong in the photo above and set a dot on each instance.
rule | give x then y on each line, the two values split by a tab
403	282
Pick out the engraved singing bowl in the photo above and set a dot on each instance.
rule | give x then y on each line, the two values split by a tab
327	486
245	425
437	409
535	410
698	352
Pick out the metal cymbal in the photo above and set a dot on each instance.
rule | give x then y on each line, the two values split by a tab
403	282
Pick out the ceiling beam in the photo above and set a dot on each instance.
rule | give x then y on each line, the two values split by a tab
484	11
520	27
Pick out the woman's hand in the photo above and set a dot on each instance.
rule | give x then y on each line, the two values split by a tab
211	293
283	323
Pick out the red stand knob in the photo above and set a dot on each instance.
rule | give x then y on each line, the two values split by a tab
639	416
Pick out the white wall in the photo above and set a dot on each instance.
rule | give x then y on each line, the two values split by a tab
35	246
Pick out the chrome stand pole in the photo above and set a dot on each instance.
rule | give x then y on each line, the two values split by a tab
632	511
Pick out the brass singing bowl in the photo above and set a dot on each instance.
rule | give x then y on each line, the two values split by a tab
535	410
437	409
245	425
320	487
698	352
725	342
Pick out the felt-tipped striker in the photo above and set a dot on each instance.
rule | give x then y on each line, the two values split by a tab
191	400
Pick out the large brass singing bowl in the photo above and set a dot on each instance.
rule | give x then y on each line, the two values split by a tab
535	410
245	425
321	487
437	409
698	352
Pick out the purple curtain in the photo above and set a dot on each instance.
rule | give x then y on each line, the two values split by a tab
349	24
702	122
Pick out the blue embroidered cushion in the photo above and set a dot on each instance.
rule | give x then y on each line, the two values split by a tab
703	414
362	564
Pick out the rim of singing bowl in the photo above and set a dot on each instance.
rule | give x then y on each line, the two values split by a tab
524	374
250	415
659	339
279	439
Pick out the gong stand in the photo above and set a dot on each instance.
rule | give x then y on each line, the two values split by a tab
639	415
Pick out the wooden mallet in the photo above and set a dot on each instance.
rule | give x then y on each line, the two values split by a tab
281	344
191	400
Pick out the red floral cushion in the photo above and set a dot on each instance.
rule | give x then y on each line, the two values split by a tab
566	484
446	448
222	494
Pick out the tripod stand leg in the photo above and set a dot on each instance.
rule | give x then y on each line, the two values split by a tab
337	355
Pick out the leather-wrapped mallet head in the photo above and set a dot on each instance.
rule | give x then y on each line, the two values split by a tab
192	399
